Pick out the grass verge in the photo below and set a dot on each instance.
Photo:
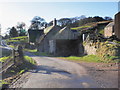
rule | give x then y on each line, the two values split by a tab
31	50
21	39
41	54
35	52
87	58
3	59
16	70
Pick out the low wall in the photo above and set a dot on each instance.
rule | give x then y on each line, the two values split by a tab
106	50
90	49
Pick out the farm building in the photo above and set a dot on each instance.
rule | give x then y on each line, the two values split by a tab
34	34
113	28
117	25
57	41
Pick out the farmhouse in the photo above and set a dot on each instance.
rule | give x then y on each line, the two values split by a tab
59	41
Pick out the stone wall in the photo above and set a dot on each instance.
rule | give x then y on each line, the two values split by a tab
89	49
105	50
117	25
108	31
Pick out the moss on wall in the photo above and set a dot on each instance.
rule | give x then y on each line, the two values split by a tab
106	50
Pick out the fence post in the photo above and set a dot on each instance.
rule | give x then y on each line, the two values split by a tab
20	51
13	54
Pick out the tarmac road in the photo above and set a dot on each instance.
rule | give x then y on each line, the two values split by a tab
56	73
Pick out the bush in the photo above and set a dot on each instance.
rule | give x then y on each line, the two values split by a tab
108	51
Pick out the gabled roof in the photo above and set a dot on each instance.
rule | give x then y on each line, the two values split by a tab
47	31
66	33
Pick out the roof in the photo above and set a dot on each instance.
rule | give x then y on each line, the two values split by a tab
118	13
110	24
66	33
48	29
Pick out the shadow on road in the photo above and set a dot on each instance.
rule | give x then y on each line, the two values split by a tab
49	70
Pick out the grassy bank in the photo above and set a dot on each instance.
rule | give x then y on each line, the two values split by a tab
22	39
16	70
3	59
35	52
31	50
87	58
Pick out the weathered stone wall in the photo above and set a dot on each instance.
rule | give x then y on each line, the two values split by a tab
90	49
105	50
108	31
117	25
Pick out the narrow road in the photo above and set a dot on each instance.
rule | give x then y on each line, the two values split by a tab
57	73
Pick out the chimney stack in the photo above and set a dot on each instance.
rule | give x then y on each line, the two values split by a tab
54	22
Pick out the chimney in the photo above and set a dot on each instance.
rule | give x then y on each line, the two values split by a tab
54	22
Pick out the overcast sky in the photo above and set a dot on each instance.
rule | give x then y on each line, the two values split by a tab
11	13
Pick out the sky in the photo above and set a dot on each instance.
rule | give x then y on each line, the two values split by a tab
13	12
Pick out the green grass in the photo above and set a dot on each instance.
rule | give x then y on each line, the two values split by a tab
26	64
21	37
81	27
101	31
116	41
30	60
18	39
112	59
30	50
22	71
3	82
11	46
3	59
88	58
34	51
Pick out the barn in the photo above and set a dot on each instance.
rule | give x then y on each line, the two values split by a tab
59	42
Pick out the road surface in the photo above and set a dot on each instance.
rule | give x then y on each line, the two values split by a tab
56	73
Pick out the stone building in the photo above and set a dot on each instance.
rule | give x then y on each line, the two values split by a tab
117	25
44	42
60	42
109	30
113	28
34	35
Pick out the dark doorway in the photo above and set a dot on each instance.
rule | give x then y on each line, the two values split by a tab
67	47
